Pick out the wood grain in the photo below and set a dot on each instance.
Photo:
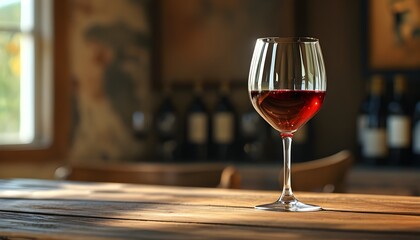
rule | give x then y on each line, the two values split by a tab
51	227
42	189
57	210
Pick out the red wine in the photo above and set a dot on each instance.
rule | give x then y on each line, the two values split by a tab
287	110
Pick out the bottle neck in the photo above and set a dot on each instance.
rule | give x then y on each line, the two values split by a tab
400	86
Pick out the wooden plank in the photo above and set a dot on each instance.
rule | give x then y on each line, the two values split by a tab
41	189
125	202
221	215
53	227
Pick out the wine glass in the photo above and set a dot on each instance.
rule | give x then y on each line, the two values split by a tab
287	84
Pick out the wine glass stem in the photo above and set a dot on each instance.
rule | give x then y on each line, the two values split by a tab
287	193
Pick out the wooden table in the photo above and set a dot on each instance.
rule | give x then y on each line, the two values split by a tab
41	209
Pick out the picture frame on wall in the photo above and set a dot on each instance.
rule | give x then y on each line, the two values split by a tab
392	36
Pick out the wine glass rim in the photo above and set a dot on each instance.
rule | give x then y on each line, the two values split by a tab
289	39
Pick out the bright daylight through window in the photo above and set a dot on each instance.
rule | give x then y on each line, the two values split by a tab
25	73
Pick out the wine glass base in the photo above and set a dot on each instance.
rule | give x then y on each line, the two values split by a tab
293	206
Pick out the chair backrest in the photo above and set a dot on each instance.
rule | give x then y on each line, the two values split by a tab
322	175
187	174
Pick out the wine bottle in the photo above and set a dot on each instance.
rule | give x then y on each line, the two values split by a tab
416	135
374	150
198	127
399	124
253	132
140	124
275	146
362	121
223	126
167	128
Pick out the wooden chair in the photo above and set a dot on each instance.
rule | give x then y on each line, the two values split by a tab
183	174
322	175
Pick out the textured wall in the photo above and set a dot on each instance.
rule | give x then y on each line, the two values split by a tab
110	69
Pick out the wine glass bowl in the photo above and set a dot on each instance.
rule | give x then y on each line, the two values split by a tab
287	86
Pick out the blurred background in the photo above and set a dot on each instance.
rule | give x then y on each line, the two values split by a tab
94	82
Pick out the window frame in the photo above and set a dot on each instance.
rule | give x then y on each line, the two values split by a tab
59	99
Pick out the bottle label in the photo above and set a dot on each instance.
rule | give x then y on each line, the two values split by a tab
374	144
197	128
398	131
416	139
223	128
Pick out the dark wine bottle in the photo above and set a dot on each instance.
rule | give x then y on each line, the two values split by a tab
362	121
223	127
275	146
167	128
399	124
253	136
374	150
416	135
140	124
198	127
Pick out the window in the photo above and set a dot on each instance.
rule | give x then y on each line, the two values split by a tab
25	73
